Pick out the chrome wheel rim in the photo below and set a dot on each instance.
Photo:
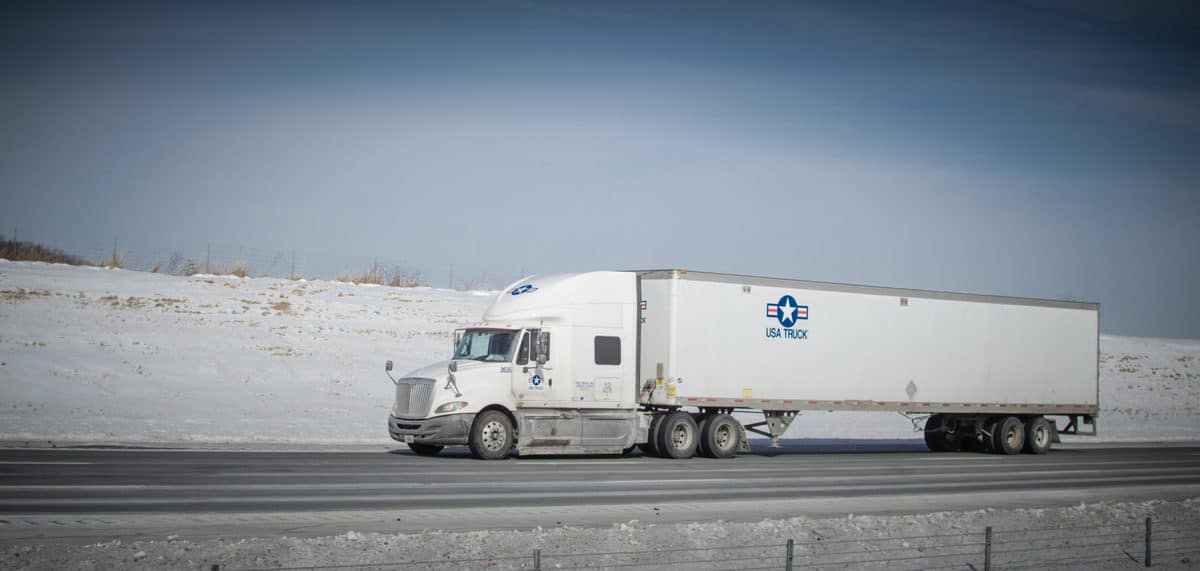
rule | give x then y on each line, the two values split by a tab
494	435
1040	436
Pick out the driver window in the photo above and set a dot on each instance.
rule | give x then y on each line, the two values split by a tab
523	350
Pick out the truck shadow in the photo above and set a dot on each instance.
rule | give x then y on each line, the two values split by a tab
759	447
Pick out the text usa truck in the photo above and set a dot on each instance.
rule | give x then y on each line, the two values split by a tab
600	362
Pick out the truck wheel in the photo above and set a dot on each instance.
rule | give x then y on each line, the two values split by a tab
677	436
1038	434
936	439
718	436
425	449
491	435
650	446
1008	436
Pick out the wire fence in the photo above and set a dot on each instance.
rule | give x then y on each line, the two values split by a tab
1118	545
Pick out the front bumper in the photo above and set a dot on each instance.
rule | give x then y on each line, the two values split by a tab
450	429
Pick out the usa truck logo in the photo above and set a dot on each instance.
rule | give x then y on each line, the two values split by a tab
787	312
523	289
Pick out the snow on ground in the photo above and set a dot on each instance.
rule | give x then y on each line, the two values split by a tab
1106	535
91	354
98	355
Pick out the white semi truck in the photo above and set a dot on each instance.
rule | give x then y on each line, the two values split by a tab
601	362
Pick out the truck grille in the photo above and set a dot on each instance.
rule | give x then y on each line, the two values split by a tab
413	397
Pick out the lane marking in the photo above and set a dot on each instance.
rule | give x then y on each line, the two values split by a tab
43	463
568	496
487	488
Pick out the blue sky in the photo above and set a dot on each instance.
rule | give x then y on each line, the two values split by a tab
1037	149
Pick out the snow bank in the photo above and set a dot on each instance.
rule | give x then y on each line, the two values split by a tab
98	355
89	354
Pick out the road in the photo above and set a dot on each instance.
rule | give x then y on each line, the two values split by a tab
86	495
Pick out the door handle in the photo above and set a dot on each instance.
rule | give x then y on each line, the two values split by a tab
527	369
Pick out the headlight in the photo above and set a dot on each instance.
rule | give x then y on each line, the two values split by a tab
450	406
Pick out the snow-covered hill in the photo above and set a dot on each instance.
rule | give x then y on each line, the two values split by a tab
97	355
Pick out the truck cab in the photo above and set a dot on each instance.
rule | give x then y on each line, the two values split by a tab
551	369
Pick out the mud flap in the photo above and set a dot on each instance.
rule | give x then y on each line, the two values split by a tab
743	446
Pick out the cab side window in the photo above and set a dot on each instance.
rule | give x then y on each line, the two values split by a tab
523	352
608	350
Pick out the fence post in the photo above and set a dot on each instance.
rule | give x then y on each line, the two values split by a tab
791	554
987	549
1148	541
537	560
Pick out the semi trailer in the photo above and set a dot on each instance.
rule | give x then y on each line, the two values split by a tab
602	362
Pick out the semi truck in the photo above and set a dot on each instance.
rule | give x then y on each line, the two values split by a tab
603	362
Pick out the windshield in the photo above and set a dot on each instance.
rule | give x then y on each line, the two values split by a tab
492	345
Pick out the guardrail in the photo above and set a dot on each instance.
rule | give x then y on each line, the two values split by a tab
1134	543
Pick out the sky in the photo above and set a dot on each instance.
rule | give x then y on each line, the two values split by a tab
1039	149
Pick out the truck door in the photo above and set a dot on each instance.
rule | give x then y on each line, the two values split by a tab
541	398
530	387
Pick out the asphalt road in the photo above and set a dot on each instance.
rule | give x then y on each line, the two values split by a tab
100	494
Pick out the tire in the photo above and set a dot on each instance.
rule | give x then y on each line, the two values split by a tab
936	439
650	446
719	436
425	449
1038	435
1008	437
491	435
701	423
678	436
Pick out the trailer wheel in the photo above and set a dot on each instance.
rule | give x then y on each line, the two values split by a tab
650	446
677	436
937	439
718	436
491	435
1038	435
425	449
1008	436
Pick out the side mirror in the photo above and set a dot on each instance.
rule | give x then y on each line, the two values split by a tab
388	366
543	347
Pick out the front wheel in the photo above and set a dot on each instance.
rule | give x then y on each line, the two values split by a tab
425	449
491	435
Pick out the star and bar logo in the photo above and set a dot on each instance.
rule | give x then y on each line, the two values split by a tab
787	311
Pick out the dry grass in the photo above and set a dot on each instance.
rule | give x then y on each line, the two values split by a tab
394	276
33	252
179	265
116	260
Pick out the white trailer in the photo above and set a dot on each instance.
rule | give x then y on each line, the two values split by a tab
661	359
